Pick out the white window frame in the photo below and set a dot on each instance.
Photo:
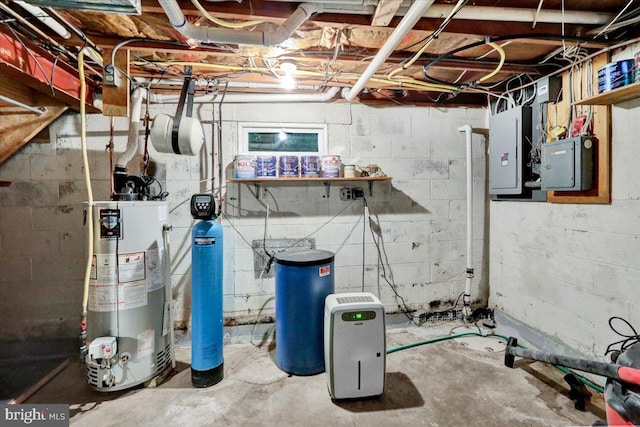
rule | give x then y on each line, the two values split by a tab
245	128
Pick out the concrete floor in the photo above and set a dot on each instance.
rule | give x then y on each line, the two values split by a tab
450	383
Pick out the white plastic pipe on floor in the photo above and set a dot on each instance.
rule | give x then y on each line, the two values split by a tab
466	298
413	15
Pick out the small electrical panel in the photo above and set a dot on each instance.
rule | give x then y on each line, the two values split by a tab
103	348
510	142
203	206
567	165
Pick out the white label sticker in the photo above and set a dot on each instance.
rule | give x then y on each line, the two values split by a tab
162	213
146	343
325	270
155	276
132	295
106	269
102	297
131	267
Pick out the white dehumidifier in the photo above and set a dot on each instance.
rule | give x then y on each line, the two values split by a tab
354	345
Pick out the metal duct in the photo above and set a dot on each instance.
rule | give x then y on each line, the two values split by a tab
208	34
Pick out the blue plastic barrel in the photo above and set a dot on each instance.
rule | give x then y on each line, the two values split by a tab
304	278
207	361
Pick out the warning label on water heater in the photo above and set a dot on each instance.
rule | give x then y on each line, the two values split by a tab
325	270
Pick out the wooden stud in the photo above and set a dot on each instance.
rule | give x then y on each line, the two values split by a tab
116	98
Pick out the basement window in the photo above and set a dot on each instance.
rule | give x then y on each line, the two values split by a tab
282	139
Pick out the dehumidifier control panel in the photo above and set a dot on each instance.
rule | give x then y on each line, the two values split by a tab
203	206
358	316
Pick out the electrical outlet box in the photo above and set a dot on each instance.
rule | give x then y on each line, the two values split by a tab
548	89
351	193
110	76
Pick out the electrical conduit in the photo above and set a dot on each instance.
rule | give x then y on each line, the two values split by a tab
413	15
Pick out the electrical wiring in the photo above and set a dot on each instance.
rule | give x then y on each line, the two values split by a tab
35	60
399	299
42	35
628	339
401	82
446	55
535	18
221	22
432	37
613	21
503	56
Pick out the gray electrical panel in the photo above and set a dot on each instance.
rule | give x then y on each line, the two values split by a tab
567	165
510	140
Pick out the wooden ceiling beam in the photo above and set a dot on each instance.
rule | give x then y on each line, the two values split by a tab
277	12
385	11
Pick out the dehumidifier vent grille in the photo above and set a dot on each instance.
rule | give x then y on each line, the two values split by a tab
348	300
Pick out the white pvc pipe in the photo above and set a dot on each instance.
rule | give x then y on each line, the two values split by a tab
134	128
414	14
551	16
209	34
257	98
466	299
45	18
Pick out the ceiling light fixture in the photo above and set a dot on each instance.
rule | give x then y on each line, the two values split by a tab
287	81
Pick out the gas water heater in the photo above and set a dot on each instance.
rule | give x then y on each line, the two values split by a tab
128	323
207	362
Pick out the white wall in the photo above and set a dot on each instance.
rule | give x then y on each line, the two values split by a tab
565	269
421	212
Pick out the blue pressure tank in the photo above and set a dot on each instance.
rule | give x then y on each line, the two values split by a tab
304	278
206	304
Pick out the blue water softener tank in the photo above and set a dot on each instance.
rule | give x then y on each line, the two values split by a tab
206	299
304	278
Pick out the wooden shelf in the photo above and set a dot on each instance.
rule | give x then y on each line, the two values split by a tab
310	179
4	183
257	182
621	94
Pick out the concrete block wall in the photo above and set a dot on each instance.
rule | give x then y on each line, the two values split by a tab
566	269
419	215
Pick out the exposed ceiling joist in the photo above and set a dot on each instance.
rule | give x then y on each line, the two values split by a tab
385	11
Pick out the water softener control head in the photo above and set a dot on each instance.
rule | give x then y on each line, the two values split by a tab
203	206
